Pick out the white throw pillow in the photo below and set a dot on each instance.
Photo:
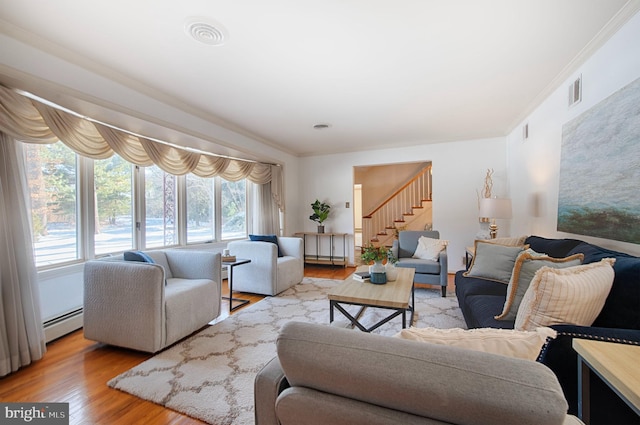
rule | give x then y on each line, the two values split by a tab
573	296
505	342
429	249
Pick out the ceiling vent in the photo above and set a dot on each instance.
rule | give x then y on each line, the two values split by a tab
213	35
575	91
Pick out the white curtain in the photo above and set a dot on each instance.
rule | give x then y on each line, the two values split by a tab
22	337
266	220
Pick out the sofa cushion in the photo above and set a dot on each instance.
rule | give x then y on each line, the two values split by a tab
467	286
421	266
267	238
505	342
493	261
403	376
621	308
527	264
557	248
482	309
574	295
429	249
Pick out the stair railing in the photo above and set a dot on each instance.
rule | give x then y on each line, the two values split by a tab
393	209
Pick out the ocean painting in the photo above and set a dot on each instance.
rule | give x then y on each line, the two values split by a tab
600	169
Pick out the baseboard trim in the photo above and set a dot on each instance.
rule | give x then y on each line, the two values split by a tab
63	325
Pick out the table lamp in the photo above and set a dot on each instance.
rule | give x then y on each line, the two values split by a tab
493	208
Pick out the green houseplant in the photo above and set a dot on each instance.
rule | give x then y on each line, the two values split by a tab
377	254
320	213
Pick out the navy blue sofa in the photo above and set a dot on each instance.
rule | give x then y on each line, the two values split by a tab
619	321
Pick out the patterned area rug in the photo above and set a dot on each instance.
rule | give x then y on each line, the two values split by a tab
209	376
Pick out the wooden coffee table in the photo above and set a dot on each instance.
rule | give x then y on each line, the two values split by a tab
397	296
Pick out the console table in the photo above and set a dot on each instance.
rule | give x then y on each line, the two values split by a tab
322	255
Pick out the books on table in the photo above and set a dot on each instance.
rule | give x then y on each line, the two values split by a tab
362	276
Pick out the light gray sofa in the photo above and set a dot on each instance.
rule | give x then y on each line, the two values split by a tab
427	271
148	307
327	375
268	274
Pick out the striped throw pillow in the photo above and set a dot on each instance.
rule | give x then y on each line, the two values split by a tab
573	295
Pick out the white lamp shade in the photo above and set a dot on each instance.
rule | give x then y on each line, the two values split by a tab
495	208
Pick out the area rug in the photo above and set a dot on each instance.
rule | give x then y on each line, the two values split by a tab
209	376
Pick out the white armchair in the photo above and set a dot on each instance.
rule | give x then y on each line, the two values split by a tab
146	306
268	274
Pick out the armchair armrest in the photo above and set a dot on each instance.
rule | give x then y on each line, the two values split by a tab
268	385
291	246
118	293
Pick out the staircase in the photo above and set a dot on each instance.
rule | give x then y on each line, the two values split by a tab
409	208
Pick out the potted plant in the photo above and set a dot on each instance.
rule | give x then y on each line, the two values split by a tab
320	214
377	254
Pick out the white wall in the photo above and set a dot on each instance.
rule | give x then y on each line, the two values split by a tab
458	172
534	164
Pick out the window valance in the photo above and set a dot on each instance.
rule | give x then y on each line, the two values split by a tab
32	121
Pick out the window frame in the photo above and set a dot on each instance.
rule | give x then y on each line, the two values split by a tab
85	214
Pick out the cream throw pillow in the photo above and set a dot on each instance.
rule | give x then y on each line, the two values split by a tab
519	241
573	296
429	249
506	342
527	264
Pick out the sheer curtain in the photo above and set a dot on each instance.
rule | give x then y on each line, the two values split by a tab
22	337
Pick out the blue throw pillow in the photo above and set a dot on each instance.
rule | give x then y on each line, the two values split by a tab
267	238
138	256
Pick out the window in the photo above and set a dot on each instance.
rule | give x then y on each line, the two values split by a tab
113	196
200	208
161	208
117	200
52	179
233	209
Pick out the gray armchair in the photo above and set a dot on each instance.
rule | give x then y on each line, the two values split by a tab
427	271
147	307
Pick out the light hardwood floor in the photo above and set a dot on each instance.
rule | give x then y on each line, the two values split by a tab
75	371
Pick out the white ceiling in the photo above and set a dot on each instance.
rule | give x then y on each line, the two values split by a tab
381	73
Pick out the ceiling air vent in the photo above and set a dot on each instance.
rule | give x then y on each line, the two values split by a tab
575	91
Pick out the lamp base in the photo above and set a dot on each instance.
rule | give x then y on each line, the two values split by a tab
493	230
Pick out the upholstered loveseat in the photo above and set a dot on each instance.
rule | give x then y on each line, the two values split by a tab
149	306
619	321
326	375
429	271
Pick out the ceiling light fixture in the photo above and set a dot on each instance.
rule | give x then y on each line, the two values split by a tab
321	126
206	33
